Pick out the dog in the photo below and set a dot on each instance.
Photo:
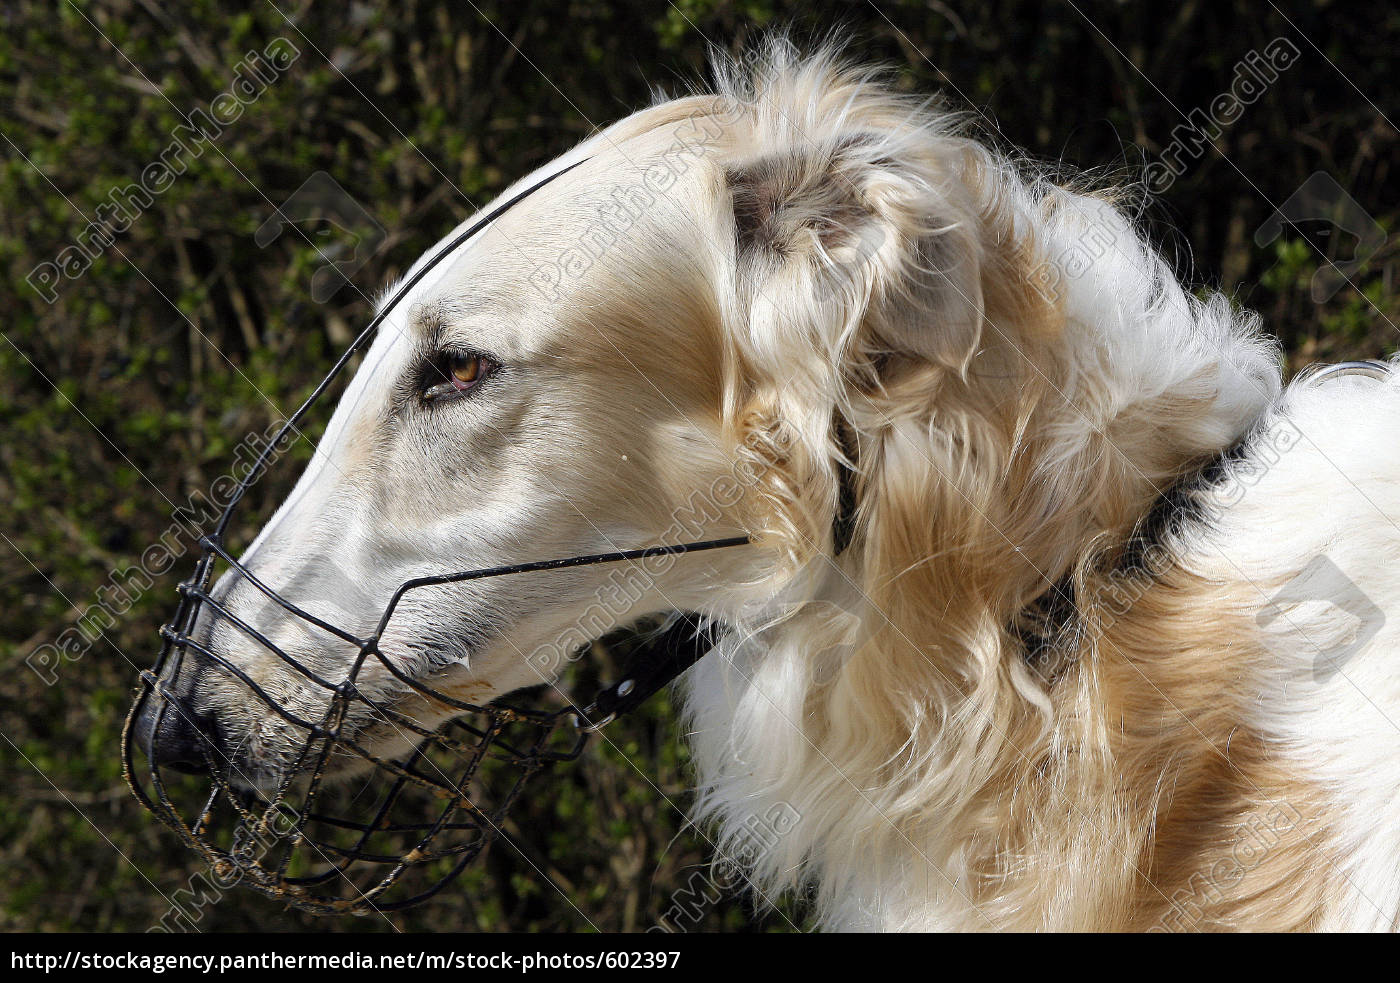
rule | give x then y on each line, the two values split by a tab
1060	611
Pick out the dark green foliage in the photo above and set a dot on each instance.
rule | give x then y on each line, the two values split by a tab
128	393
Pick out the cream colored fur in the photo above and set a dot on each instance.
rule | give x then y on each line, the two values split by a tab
1006	444
826	275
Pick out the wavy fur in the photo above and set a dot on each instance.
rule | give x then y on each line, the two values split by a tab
1007	441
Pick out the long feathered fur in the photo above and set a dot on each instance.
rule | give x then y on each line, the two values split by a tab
914	306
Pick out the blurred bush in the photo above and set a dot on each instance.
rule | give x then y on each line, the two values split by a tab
127	393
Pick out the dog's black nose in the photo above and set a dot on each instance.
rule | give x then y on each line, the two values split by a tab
175	736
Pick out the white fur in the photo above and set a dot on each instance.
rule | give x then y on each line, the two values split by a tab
1335	493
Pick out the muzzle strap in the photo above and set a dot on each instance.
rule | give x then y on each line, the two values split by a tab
671	652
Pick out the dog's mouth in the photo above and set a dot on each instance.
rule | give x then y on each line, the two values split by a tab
367	807
371	811
270	741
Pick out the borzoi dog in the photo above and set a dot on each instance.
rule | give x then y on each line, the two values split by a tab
1059	612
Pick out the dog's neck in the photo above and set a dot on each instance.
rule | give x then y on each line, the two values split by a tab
903	678
1051	628
1012	415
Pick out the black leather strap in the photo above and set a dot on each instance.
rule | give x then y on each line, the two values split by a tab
843	527
671	652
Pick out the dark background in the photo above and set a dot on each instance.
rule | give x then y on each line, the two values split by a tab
126	394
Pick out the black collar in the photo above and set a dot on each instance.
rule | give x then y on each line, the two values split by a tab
843	526
1052	624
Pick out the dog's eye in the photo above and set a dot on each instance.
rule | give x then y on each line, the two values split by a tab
455	373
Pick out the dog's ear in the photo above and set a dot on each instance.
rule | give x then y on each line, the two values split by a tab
859	248
857	261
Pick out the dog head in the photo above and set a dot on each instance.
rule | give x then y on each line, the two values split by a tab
729	301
